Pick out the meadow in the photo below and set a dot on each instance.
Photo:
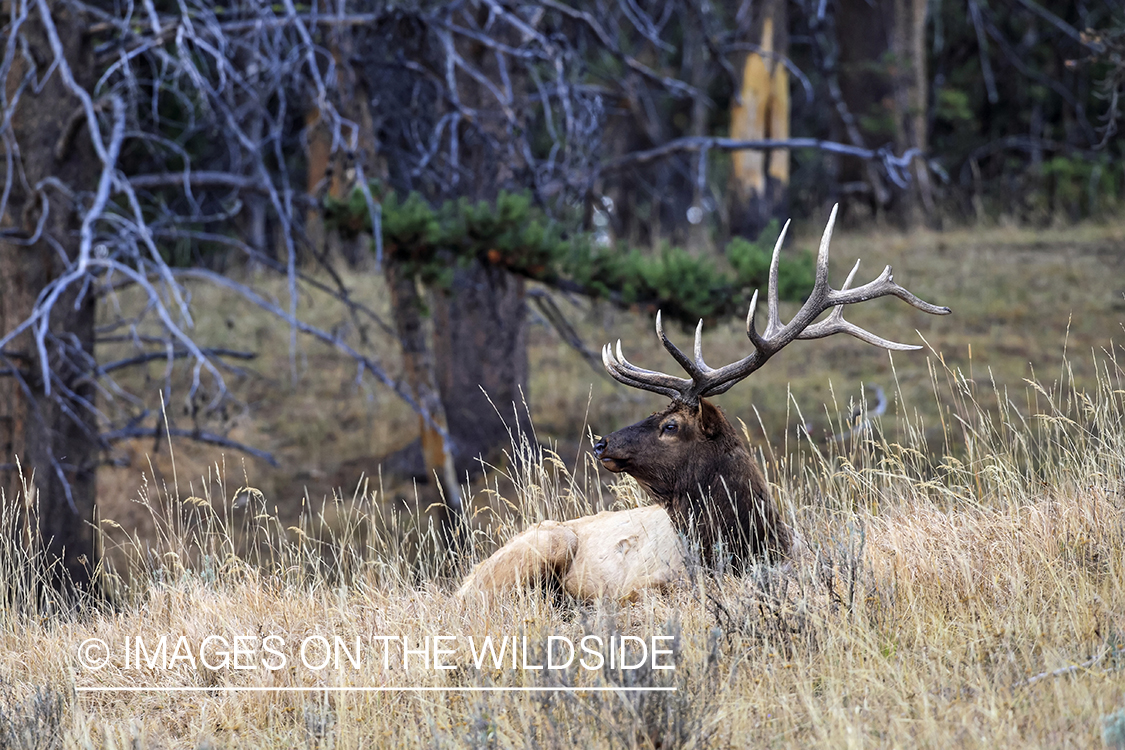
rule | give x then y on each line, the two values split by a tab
962	581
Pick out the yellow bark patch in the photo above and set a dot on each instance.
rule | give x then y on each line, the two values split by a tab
762	113
779	123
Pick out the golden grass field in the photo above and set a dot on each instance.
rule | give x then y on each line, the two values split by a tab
964	583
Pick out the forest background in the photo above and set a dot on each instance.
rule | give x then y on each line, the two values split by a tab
373	239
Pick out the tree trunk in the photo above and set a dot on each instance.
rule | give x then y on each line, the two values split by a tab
252	222
480	366
480	343
889	99
418	365
331	164
918	103
760	179
480	320
480	328
54	437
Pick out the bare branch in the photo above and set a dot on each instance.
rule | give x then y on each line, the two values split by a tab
672	84
982	45
203	179
129	433
141	359
897	166
1061	25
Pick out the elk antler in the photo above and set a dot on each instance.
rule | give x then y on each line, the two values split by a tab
707	381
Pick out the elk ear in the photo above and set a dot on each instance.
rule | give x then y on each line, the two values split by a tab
711	418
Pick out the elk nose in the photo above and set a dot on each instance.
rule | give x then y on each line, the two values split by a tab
599	447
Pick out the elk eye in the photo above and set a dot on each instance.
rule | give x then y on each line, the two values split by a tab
670	427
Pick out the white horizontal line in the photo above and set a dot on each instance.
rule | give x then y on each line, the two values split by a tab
338	689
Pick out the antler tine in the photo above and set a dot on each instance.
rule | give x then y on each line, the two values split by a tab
756	339
823	328
625	372
699	347
835	323
838	311
836	299
822	254
882	286
690	367
681	389
641	375
851	275
773	320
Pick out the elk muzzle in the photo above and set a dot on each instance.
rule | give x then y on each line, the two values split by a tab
612	463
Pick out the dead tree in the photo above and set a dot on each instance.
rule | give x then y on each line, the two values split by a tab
128	134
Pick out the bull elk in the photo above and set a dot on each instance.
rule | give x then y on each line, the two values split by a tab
689	458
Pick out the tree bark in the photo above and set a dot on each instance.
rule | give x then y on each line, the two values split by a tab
418	366
54	437
760	179
331	165
695	64
479	349
480	345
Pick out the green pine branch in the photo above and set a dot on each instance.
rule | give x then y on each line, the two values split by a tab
517	236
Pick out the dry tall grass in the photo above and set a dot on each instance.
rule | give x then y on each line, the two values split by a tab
968	601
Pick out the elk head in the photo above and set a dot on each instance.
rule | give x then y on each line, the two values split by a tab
689	457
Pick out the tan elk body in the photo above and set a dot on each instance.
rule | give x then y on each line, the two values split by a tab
614	554
689	458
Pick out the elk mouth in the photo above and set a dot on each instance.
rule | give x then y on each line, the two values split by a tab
616	465
611	463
